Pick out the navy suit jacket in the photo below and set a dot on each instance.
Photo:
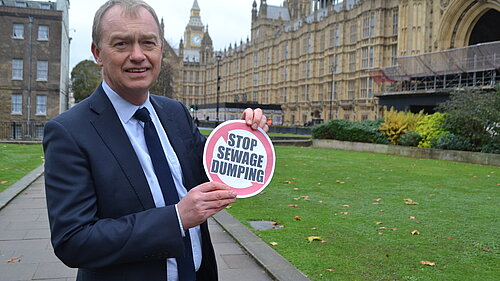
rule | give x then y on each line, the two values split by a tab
102	215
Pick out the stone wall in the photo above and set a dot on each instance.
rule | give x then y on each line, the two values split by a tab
414	152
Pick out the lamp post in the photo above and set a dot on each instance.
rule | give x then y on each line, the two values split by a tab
218	56
332	70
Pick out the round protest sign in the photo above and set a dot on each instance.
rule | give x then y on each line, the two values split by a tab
240	157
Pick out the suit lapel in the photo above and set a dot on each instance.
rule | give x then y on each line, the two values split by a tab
110	129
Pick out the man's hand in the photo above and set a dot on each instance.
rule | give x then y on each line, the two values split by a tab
203	201
255	119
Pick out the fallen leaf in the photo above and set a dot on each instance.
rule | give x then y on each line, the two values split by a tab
387	255
296	188
415	232
347	206
13	259
486	250
380	233
379	222
330	269
338	181
411	217
288	182
314	238
314	228
273	243
3	182
229	207
323	241
293	205
381	210
297	218
408	201
344	213
450	238
305	197
394	229
378	199
429	263
376	203
382	227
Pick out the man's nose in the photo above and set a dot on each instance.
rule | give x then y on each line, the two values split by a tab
137	54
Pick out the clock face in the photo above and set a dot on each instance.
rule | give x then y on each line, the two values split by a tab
196	39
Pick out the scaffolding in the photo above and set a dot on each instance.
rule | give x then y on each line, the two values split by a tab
472	66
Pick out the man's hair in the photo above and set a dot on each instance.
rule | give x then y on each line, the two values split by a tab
130	7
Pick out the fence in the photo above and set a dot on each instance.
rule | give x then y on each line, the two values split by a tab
21	131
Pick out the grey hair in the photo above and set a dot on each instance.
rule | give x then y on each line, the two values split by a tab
130	7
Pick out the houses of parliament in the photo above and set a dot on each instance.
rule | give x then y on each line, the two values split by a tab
317	60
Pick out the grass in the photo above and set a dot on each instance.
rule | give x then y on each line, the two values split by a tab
356	203
16	161
207	132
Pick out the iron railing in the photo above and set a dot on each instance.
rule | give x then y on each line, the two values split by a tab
21	130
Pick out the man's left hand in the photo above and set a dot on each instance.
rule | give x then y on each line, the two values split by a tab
255	119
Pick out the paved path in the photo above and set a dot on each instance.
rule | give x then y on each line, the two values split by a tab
24	241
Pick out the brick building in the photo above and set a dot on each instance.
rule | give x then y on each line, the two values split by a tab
34	65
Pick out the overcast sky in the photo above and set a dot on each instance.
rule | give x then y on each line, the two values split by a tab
228	21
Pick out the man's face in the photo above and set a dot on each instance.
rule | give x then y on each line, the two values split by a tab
129	52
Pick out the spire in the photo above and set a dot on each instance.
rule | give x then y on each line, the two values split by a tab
195	5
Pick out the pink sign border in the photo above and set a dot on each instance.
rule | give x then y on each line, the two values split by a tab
222	132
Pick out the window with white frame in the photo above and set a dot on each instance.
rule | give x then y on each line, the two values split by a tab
41	105
16	104
395	19
367	57
352	62
17	69
354	33
351	90
42	70
18	31
39	131
43	32
254	97
366	26
337	35
366	87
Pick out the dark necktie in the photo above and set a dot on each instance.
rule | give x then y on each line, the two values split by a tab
185	265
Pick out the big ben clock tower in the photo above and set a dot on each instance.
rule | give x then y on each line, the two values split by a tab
193	34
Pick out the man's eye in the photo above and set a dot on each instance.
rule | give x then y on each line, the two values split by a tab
120	44
149	43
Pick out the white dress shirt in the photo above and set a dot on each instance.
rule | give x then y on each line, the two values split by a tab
135	131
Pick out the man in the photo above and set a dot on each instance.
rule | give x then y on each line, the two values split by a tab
110	210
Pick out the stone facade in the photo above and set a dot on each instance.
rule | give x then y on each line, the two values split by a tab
313	57
34	61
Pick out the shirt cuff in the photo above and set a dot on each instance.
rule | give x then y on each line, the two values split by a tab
183	233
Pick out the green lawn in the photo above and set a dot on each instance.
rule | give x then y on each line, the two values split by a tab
207	132
357	204
16	161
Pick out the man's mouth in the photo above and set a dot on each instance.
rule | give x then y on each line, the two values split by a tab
137	70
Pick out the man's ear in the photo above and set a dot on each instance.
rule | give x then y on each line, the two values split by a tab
97	54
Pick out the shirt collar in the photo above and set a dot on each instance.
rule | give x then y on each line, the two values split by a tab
124	108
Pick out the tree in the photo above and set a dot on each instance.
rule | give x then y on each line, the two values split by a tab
164	84
85	77
475	116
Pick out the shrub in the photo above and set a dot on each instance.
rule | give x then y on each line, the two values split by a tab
430	129
411	138
397	123
475	116
345	130
453	142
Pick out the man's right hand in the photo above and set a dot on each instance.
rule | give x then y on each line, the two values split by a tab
203	201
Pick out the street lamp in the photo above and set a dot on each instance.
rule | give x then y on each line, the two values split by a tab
332	70
218	56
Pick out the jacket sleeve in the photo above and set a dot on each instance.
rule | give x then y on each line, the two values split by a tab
80	235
